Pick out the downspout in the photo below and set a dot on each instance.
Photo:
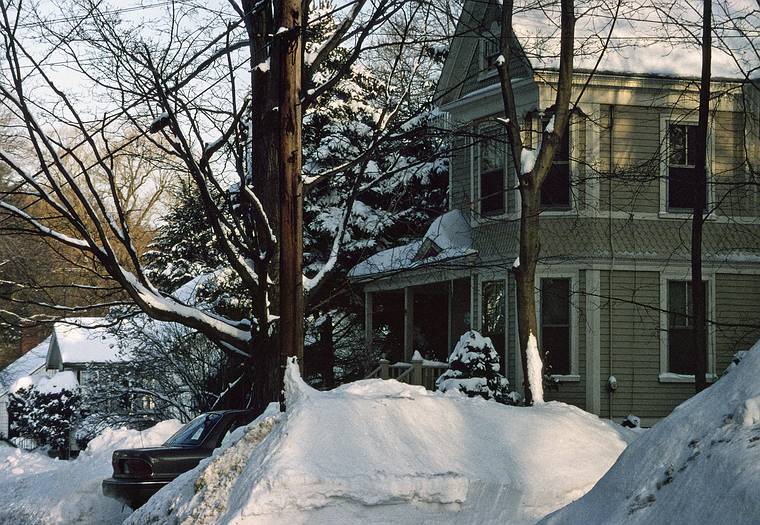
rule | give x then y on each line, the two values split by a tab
610	360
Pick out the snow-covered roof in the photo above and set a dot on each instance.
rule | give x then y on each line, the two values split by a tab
448	237
25	365
644	38
64	380
85	340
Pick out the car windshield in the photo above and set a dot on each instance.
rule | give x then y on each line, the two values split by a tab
194	432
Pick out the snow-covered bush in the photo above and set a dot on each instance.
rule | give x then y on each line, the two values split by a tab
45	411
474	370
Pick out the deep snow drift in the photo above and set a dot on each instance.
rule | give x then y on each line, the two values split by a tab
43	491
701	464
379	451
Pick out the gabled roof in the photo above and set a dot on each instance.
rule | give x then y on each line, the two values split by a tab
645	38
83	340
448	237
25	365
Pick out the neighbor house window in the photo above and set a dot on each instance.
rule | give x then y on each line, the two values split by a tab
492	164
684	183
555	325
555	191
681	356
493	301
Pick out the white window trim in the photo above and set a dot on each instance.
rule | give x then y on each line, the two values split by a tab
574	276
688	119
665	375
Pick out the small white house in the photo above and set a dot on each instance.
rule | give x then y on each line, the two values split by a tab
31	364
75	344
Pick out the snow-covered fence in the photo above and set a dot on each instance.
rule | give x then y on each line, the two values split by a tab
419	372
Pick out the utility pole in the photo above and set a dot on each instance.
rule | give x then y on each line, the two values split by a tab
288	38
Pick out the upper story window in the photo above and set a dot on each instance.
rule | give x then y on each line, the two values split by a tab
684	183
492	172
555	192
555	324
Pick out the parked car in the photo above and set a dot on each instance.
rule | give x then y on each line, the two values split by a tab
140	472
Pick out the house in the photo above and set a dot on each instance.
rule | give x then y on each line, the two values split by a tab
32	365
612	283
76	346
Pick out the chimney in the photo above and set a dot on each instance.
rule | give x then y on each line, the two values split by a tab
32	334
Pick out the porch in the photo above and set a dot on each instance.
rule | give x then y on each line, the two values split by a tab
423	318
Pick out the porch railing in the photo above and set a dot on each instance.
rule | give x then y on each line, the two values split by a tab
418	372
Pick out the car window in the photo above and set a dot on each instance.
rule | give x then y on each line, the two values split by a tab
195	431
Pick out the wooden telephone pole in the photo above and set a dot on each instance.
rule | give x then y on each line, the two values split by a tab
288	36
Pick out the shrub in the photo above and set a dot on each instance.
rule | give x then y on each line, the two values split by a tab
474	370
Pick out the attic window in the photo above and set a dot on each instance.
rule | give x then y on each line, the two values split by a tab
489	48
427	250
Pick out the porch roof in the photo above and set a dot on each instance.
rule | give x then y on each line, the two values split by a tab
448	237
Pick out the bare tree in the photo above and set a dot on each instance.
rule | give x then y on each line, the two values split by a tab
222	94
533	167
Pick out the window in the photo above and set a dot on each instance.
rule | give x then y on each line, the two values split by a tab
555	192
489	48
492	164
493	301
684	183
681	355
555	325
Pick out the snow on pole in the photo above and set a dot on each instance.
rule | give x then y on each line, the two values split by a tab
535	377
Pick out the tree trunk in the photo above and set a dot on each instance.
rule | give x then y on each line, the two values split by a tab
700	205
525	274
532	181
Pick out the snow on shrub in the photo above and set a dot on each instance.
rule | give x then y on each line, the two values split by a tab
474	370
43	410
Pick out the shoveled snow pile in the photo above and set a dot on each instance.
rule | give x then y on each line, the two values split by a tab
38	490
379	451
701	464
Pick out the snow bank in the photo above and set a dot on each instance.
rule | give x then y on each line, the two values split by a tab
40	490
701	464
379	451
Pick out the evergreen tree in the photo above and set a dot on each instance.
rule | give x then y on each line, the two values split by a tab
474	370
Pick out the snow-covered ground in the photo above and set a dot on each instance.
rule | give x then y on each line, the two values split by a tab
384	452
701	464
39	490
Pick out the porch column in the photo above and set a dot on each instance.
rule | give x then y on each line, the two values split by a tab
408	323
450	333
593	342
368	331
